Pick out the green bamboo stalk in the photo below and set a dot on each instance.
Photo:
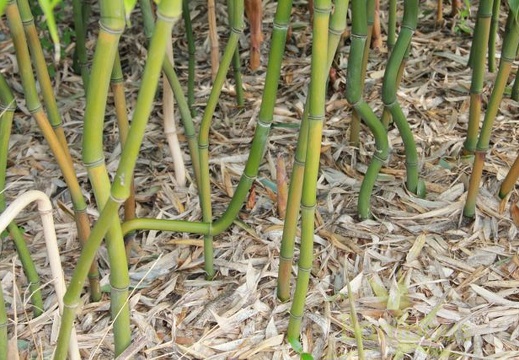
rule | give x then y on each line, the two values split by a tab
337	27
203	137
111	27
316	116
481	30
508	53
117	85
391	26
7	108
481	38
492	40
509	182
191	51
183	105
167	13
355	120
281	22
354	97
80	54
57	147
236	62
389	89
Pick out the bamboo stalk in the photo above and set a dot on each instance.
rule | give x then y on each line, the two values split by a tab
355	120
391	26
481	38
354	97
7	108
80	54
508	53
170	129
492	40
111	27
316	117
191	50
49	233
337	27
236	62
390	86
123	124
254	11
167	13
509	182
203	137
59	150
213	38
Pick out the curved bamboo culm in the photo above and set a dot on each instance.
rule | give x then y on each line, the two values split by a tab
355	119
511	178
111	25
508	53
337	27
167	13
186	15
7	108
316	118
354	97
203	136
477	62
45	210
389	89
59	150
265	118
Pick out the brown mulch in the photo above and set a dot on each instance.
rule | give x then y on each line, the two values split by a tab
426	283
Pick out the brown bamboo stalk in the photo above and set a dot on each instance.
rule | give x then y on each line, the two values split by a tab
213	37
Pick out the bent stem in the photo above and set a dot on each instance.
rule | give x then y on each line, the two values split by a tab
389	89
203	137
354	97
316	117
49	233
509	182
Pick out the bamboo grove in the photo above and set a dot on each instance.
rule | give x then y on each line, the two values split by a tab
103	73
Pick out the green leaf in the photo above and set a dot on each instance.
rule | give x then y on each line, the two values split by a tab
48	10
306	356
129	5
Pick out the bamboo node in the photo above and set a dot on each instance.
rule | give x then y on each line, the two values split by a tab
236	30
9	107
307	207
116	200
96	163
325	10
316	117
264	124
299	162
278	26
109	29
166	18
119	290
281	257
294	316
